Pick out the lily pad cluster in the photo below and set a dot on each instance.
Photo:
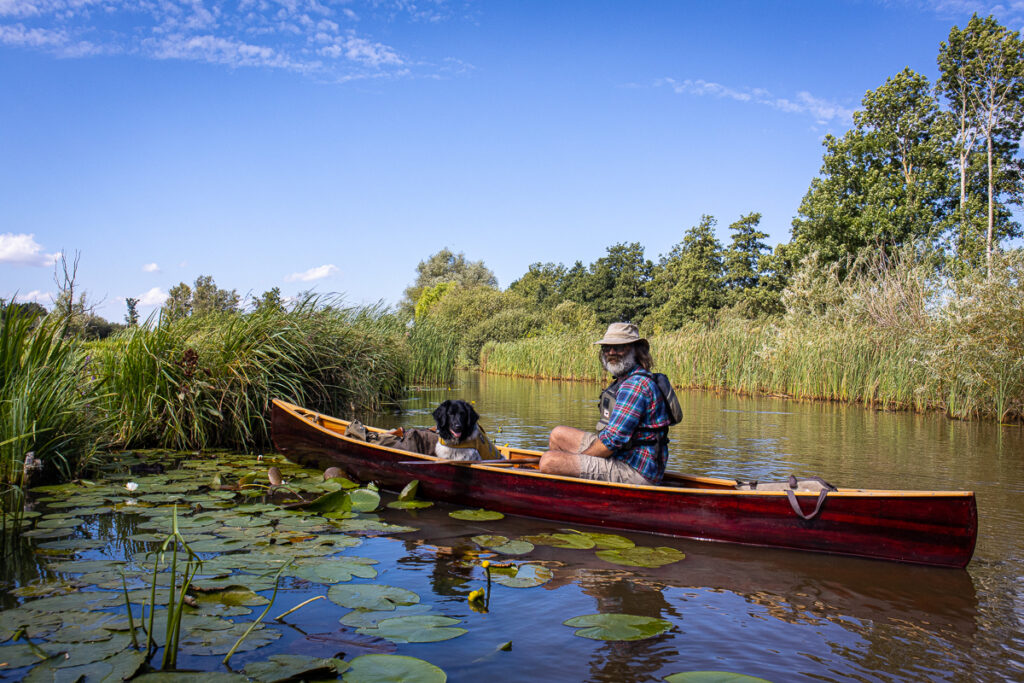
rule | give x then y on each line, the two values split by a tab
246	520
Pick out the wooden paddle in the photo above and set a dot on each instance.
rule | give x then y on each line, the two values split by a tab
496	462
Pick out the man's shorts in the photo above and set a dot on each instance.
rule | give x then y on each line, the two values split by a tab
606	469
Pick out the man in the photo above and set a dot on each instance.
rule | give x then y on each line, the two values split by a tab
631	446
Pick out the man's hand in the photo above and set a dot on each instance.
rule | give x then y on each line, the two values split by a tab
598	450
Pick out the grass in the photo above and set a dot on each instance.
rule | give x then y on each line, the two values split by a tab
894	334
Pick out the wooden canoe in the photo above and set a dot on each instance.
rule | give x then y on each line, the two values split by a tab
922	527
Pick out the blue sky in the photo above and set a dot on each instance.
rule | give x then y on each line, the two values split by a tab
316	144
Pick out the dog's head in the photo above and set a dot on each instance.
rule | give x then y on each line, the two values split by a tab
455	420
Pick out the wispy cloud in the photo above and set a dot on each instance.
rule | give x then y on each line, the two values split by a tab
318	273
306	36
36	296
823	111
154	297
151	268
22	250
1010	13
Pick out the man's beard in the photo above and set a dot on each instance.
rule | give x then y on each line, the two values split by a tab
622	366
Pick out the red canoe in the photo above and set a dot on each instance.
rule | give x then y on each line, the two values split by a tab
922	527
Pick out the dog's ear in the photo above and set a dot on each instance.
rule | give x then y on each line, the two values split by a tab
441	413
473	417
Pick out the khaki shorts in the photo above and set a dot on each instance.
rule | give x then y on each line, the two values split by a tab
606	469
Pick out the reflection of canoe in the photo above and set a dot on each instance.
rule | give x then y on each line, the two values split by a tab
924	527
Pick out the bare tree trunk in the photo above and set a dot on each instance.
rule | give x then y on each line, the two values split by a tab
991	208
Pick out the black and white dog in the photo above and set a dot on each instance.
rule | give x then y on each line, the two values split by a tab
459	435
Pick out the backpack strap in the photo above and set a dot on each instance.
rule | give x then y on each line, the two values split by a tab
795	504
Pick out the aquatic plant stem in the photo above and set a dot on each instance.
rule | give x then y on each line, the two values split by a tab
128	605
301	604
273	596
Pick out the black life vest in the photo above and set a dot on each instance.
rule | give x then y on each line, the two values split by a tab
608	402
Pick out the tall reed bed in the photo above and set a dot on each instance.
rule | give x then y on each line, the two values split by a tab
49	402
893	333
208	380
433	348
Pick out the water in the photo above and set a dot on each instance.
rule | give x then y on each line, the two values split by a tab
798	616
780	615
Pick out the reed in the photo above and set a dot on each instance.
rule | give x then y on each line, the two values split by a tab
434	348
49	416
208	380
892	334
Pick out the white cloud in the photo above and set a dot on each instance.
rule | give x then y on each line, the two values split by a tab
822	110
151	268
154	297
317	273
22	250
293	35
37	296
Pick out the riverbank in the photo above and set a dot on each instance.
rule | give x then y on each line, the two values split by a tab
903	341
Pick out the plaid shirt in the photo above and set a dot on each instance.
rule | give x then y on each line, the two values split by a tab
640	416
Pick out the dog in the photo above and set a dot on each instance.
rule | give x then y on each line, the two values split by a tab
459	435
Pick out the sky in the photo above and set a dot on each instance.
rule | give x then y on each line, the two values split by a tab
331	146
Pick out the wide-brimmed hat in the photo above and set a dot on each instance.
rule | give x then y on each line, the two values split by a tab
621	333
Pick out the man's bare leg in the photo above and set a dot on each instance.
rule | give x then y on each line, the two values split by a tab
563	444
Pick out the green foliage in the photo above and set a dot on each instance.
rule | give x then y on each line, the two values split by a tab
204	298
48	391
542	284
131	318
433	349
446	266
885	182
689	282
430	297
982	77
269	302
617	284
208	380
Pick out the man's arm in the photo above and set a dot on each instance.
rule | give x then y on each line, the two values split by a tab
597	449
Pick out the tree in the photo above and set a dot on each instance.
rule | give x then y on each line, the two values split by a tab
616	285
541	284
689	281
982	75
749	268
446	266
131	318
179	302
269	302
207	298
885	182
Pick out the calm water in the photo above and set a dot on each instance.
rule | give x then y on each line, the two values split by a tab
780	615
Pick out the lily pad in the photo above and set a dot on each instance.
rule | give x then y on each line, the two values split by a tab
119	667
617	626
372	525
82	600
371	596
642	556
409	504
503	545
17	655
294	668
479	515
335	570
335	501
417	628
364	500
566	540
220	545
363	618
605	541
389	668
219	642
74	544
60	522
713	677
409	492
526	576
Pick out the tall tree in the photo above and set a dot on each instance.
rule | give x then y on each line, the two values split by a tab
269	301
541	284
689	281
747	261
617	284
131	318
885	182
982	75
446	266
208	298
179	302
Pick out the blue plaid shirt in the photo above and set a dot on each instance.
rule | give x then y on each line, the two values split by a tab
640	416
